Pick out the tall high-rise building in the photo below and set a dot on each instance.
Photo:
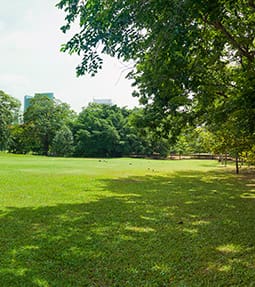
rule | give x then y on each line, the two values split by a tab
103	101
27	102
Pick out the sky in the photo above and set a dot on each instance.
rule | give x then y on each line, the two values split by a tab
31	61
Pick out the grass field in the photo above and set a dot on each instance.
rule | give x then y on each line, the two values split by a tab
124	222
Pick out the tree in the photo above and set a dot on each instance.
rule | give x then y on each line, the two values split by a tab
43	118
189	55
149	141
102	131
62	143
9	111
233	136
97	129
21	141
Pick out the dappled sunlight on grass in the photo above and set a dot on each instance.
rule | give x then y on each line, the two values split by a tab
190	230
229	248
172	228
139	229
250	195
200	222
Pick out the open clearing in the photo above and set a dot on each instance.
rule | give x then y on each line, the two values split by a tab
124	222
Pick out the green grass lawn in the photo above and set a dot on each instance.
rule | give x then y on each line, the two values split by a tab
124	222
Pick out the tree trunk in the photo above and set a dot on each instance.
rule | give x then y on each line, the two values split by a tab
237	166
46	145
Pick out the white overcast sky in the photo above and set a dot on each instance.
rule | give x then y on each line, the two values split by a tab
31	60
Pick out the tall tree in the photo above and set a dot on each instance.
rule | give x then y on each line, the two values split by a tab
183	51
97	131
21	141
9	111
44	117
62	143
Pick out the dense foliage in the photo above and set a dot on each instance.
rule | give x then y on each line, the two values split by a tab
50	127
9	112
42	119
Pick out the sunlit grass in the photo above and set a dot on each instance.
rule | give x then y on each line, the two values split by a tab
124	222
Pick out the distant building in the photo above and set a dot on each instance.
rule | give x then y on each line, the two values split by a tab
103	101
27	102
28	98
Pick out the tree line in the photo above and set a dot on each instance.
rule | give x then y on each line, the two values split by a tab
50	127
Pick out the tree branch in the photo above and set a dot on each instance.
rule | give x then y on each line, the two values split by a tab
244	52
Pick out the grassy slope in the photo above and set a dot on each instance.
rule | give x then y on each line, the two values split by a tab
124	222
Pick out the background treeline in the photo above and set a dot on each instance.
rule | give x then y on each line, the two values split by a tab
50	127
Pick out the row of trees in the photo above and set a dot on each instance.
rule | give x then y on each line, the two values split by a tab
49	127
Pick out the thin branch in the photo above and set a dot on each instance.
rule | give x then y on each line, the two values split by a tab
121	74
218	25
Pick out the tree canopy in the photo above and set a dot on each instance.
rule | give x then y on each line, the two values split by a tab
192	58
42	119
9	111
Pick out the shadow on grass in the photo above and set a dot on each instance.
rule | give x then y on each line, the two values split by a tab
187	229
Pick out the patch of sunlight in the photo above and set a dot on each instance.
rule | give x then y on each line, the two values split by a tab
100	230
247	195
13	252
193	216
162	268
30	247
3	212
77	252
148	218
41	282
71	217
149	212
208	179
200	222
215	267
131	201
140	229
21	271
56	238
250	184
189	202
190	230
229	248
18	272
126	195
133	270
224	268
127	238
